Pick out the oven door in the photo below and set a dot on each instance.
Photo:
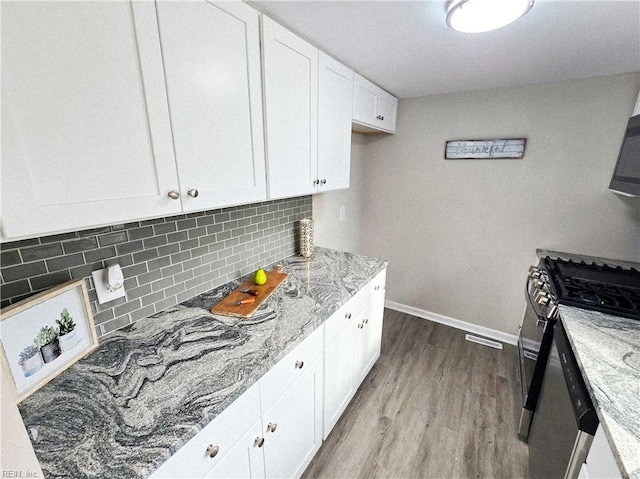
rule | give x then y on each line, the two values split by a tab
534	343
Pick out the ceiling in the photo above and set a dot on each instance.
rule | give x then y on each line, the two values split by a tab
406	47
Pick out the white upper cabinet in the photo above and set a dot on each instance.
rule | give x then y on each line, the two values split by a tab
373	108
290	68
211	53
335	106
86	137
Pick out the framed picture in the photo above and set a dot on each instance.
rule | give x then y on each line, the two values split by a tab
45	334
509	148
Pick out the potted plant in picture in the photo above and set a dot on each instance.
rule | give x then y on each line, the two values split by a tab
67	336
47	340
30	360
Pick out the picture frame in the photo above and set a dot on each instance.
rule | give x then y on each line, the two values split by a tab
498	149
42	336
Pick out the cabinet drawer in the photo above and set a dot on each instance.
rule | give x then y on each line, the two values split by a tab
343	317
290	368
192	460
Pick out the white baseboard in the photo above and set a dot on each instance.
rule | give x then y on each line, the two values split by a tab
454	323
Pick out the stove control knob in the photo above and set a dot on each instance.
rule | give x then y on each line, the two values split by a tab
542	293
539	284
544	300
553	312
535	273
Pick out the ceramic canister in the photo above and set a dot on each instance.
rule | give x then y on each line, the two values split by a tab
306	237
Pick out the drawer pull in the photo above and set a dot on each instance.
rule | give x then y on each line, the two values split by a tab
360	325
259	441
376	288
365	321
347	315
299	364
212	450
271	427
173	194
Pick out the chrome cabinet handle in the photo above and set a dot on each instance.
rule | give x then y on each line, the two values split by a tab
380	117
360	325
193	193
271	427
299	364
324	181
365	321
316	182
173	194
376	288
259	441
347	315
213	450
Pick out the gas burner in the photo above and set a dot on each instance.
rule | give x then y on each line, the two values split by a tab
592	286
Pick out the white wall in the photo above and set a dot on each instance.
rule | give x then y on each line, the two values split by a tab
345	235
459	235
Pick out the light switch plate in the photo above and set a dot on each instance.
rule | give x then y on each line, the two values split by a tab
104	295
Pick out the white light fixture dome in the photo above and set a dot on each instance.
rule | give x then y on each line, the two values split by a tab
475	16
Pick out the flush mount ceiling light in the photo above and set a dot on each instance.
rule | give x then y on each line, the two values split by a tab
475	16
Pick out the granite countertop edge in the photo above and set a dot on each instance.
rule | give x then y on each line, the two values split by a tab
586	332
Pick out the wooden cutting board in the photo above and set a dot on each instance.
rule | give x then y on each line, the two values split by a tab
229	305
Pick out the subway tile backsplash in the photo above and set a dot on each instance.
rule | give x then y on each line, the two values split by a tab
165	260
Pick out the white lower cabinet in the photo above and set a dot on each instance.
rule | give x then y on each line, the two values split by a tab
338	365
601	462
276	427
369	333
212	451
292	427
353	337
245	459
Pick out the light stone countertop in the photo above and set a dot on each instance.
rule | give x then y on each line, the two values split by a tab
607	349
150	387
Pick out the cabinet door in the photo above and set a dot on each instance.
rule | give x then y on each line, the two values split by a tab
86	138
339	384
291	111
225	435
600	460
335	108
211	53
293	426
368	335
364	101
244	460
387	112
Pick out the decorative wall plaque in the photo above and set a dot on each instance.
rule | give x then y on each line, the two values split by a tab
511	148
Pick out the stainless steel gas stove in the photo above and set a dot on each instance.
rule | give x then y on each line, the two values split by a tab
587	285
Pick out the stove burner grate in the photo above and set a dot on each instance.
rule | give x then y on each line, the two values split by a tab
597	287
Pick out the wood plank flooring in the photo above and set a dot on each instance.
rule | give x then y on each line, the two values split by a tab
433	406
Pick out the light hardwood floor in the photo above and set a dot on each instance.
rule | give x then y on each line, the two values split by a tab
433	406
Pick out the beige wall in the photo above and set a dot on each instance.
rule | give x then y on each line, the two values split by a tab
459	235
345	235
